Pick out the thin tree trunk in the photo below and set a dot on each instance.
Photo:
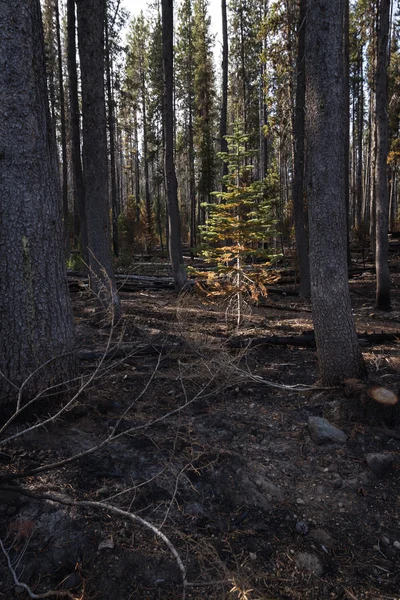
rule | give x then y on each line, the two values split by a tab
36	322
175	242
346	68
224	104
382	196
91	18
79	188
63	134
298	163
360	135
149	216
111	133
337	344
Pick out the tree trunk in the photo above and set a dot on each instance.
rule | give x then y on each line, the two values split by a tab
346	69
63	134
298	164
149	216
174	228
224	104
36	320
382	196
338	349
91	17
79	188
111	133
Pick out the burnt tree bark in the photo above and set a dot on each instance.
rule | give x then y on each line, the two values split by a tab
381	179
36	320
111	133
174	221
338	349
75	137
298	163
63	132
224	104
91	18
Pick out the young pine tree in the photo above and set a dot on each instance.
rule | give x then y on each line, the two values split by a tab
237	230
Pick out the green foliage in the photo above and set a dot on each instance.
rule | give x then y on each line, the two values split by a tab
238	228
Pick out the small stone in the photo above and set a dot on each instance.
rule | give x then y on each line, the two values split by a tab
322	432
300	501
380	462
309	563
396	545
385	541
302	527
106	544
252	556
101	491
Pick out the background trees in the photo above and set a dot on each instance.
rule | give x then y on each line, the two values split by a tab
115	185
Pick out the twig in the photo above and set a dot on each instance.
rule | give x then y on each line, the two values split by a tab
118	511
17	582
112	436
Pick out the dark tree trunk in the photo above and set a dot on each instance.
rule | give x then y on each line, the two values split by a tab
149	215
346	69
338	349
36	320
63	134
174	229
79	189
298	165
382	196
224	104
91	17
360	135
111	133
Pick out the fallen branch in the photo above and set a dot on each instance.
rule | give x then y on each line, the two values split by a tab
17	582
109	508
307	339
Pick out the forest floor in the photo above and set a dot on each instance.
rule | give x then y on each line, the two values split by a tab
216	458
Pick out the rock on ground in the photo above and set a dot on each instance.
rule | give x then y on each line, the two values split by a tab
322	432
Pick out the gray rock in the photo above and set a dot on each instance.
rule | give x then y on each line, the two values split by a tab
396	545
322	432
380	462
302	527
385	540
309	563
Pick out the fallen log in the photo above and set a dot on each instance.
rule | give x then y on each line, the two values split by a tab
307	339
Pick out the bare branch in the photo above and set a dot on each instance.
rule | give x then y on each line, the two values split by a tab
17	582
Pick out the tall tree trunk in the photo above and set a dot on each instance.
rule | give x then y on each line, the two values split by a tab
224	104
149	215
346	69
111	133
79	188
337	344
360	135
63	133
174	240
36	320
382	196
298	164
91	17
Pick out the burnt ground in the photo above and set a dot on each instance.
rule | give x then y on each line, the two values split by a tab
217	459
